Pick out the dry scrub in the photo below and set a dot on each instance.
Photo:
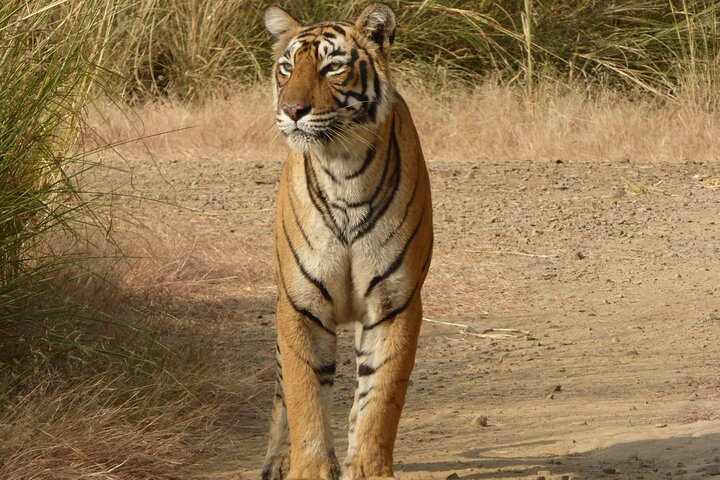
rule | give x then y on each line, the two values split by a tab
490	122
124	385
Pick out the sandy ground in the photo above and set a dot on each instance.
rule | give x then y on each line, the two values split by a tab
611	266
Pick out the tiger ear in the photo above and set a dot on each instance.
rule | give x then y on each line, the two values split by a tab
377	23
279	23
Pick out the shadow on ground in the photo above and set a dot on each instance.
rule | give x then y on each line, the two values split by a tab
622	460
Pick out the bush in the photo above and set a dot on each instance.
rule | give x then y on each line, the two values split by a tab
191	48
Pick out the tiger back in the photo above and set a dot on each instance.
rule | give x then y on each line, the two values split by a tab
353	242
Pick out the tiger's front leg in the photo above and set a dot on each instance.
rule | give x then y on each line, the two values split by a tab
277	458
307	351
385	358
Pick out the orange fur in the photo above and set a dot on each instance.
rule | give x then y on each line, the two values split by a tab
353	238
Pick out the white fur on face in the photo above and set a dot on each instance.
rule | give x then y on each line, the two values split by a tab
332	133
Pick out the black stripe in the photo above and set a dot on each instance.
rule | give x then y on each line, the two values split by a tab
365	370
297	220
381	183
320	286
372	108
363	77
369	156
328	369
326	381
398	259
368	225
394	313
368	401
319	201
329	174
302	311
365	393
351	63
407	210
338	29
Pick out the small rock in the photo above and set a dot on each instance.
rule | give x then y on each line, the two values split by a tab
480	421
558	388
551	397
452	476
579	255
712	470
611	470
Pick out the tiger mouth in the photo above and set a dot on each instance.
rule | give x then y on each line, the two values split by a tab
313	135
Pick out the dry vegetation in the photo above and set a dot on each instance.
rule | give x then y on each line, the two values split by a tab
490	121
118	322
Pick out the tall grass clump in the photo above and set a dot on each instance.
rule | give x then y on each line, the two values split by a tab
88	388
48	69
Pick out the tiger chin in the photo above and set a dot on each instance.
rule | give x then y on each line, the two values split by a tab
353	243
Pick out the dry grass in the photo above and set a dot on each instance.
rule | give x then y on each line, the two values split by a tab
158	402
489	123
126	385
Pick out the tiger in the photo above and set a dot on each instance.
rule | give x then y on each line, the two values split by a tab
353	241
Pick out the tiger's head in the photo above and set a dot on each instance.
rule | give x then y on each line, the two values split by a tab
331	80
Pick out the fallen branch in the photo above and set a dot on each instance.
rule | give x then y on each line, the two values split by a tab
492	333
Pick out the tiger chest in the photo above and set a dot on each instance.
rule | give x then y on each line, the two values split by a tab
353	243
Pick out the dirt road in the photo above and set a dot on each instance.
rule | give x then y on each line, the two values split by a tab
612	269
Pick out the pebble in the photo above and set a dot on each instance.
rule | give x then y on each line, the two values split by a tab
480	421
452	476
611	470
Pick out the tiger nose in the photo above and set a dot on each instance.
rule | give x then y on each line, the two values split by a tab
296	110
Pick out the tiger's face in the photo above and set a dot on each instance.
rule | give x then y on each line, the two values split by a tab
331	80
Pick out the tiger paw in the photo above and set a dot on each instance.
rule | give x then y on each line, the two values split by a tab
276	468
323	471
356	470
